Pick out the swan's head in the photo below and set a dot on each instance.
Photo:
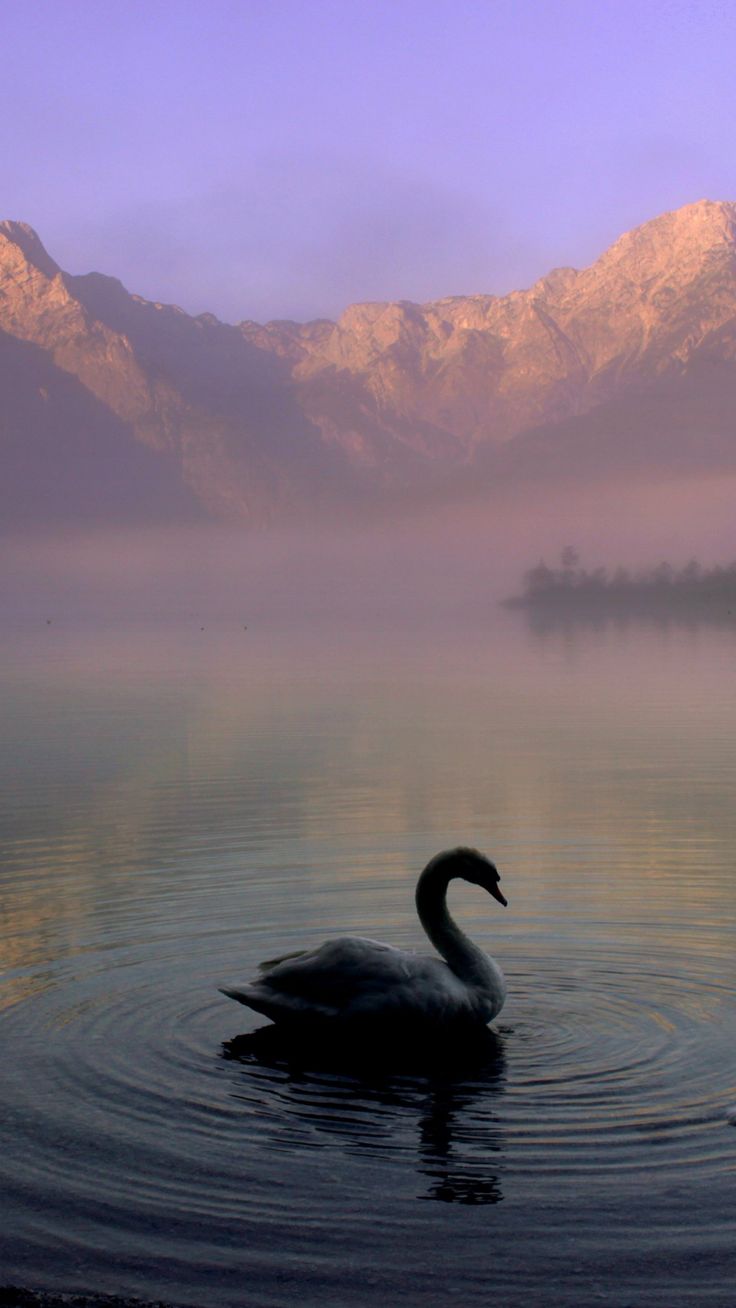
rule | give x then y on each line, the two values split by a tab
478	870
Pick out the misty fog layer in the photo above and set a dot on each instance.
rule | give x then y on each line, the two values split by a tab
451	564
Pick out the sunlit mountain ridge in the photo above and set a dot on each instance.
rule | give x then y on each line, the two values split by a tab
118	408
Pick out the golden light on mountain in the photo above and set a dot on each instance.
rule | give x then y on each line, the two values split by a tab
143	410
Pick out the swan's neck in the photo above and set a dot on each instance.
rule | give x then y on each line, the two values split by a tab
466	960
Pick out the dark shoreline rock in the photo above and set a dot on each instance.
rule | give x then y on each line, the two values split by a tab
17	1296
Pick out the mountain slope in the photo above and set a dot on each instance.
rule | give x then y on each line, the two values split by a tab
146	411
479	370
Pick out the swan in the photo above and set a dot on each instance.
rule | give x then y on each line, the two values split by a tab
352	979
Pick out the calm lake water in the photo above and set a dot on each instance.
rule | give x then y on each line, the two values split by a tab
178	804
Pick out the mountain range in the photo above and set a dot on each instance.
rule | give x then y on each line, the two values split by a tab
117	408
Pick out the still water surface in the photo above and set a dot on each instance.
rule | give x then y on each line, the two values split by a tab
177	805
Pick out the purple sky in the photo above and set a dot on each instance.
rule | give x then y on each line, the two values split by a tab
282	158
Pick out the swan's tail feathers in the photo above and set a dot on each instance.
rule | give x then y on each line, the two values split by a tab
259	1000
240	995
279	1007
268	963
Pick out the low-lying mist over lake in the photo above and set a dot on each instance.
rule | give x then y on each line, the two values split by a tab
451	562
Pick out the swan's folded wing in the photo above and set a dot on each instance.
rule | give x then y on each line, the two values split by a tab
354	978
338	973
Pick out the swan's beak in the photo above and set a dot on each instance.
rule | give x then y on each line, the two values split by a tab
496	892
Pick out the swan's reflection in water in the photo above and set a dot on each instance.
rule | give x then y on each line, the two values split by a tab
429	1104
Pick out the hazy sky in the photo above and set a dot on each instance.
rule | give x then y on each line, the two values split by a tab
282	158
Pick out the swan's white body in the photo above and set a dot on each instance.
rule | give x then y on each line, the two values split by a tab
353	979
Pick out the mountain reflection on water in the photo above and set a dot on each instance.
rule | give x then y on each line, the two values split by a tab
177	805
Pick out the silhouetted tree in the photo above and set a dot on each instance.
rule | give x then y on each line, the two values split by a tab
656	589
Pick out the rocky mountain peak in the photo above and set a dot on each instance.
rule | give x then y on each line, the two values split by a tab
29	243
676	242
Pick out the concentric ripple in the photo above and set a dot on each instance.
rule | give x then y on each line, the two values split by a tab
144	1132
136	1097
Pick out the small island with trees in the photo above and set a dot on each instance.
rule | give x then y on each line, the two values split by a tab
572	591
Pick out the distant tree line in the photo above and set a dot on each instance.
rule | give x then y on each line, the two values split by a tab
572	587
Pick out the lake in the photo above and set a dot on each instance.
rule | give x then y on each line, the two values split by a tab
178	804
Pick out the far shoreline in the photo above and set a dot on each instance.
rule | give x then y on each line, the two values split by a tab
662	593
